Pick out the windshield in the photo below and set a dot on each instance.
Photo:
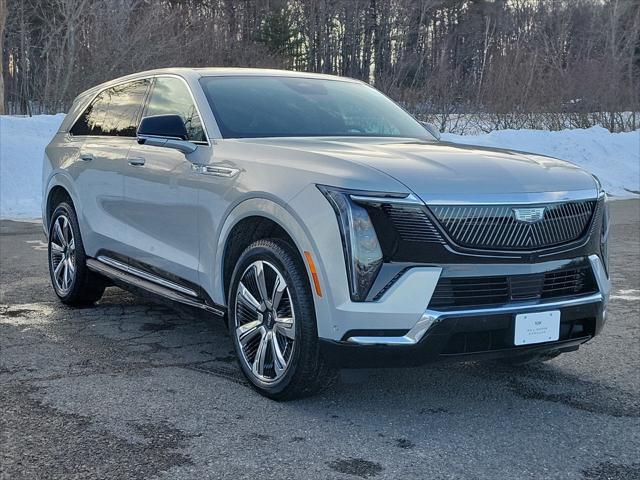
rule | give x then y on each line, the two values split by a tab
270	106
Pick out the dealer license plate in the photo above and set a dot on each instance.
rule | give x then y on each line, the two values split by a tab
537	327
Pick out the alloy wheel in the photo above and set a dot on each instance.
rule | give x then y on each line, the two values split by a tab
62	252
264	321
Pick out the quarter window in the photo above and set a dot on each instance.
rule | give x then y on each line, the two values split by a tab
114	112
171	96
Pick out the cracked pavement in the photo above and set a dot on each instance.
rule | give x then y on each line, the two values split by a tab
134	389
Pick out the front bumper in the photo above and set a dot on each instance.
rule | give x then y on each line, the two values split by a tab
480	333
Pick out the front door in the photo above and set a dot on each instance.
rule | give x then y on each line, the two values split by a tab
161	194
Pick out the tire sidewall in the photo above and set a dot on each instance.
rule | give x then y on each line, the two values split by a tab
300	298
67	210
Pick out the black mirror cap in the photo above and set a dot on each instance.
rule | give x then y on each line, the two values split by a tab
166	126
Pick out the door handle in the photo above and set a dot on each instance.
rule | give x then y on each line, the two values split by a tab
86	157
136	161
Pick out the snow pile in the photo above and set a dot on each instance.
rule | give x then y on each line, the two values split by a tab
22	143
613	157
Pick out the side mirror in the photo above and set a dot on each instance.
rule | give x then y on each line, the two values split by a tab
165	131
431	129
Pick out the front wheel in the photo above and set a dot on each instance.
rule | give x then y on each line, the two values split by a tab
273	325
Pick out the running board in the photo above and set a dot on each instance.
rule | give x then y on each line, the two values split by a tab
159	286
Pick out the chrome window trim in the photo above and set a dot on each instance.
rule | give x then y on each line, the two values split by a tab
146	103
193	99
92	98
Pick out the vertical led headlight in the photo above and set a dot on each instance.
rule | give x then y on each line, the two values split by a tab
362	252
604	235
606	220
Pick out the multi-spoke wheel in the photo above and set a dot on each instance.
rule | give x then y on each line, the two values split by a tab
62	254
72	280
272	320
265	320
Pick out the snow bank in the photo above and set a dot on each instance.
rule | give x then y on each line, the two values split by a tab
613	157
22	143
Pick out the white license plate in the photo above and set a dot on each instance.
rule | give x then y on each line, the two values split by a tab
537	327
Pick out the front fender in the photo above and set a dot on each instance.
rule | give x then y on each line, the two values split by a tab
286	218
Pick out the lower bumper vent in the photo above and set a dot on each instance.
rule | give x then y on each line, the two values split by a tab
466	292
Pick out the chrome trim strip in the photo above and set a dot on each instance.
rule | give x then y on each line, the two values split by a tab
410	199
146	276
193	99
431	317
130	279
604	283
510	198
207	142
216	171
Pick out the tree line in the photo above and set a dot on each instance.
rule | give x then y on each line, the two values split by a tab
461	64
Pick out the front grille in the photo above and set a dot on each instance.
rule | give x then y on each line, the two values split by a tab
412	223
467	292
513	227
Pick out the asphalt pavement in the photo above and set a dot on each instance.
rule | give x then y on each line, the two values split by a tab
134	389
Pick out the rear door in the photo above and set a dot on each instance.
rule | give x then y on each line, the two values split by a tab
108	127
161	194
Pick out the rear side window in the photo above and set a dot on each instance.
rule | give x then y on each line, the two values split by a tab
114	112
170	96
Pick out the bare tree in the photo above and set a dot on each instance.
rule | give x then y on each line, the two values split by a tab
459	63
3	19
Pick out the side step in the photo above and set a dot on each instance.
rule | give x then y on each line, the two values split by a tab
128	277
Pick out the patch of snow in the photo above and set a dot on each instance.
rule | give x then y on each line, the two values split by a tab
22	144
613	157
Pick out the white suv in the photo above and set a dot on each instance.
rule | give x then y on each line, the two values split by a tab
325	224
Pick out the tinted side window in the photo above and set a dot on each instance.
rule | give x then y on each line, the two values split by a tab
114	112
170	96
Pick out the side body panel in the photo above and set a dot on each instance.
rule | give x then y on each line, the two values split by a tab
160	210
95	185
99	184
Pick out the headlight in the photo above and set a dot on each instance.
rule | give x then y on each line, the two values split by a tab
604	235
362	252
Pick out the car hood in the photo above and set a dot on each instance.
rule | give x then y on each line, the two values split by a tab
445	172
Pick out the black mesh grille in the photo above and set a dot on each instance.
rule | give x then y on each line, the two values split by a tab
412	223
496	227
465	292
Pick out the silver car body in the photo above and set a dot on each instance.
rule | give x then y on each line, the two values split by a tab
175	213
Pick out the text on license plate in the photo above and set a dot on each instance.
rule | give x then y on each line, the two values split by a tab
537	327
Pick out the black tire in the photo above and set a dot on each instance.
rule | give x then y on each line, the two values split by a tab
529	359
306	372
85	287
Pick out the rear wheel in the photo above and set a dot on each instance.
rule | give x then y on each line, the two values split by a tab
72	281
273	325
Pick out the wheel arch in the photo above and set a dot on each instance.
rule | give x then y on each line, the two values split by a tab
251	220
60	188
